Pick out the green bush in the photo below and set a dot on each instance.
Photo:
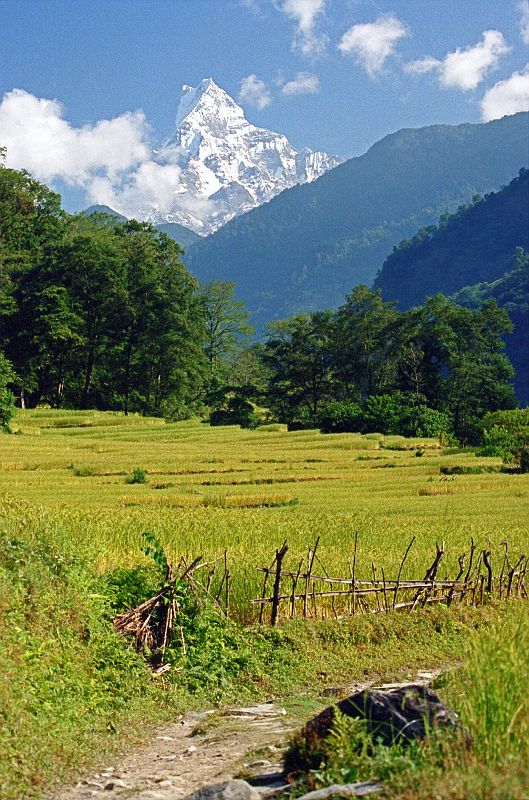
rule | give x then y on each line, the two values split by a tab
138	475
237	411
506	434
399	413
343	417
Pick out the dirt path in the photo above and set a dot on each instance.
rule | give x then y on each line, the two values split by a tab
203	748
196	750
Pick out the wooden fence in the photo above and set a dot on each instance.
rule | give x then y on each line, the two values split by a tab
309	591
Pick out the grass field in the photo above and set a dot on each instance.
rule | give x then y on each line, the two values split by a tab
210	489
70	517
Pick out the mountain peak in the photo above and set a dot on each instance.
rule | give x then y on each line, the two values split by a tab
195	96
226	165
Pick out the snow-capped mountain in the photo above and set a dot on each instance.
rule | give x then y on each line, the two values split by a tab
227	165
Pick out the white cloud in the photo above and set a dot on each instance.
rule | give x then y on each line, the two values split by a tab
40	140
305	13
523	8
111	159
507	97
373	42
254	92
465	68
303	83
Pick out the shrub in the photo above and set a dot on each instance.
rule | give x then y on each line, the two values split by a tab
506	434
137	476
399	413
237	411
343	417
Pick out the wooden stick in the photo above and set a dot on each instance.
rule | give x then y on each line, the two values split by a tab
374	571
400	570
353	571
280	554
384	590
294	585
488	567
461	561
267	573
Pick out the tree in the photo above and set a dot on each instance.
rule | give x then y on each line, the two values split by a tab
297	354
227	327
361	342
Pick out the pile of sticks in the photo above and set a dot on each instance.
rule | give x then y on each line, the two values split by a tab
157	622
316	595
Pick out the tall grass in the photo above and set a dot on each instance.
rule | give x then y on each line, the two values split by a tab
494	690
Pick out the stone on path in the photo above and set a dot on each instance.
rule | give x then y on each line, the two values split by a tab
227	790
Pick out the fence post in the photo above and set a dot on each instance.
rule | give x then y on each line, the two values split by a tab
280	554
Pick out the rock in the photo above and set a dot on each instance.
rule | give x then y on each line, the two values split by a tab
115	783
401	714
227	790
344	790
260	710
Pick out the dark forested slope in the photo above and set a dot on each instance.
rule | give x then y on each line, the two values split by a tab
308	246
512	292
474	245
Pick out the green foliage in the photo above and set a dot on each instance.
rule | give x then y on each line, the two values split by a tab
227	327
153	549
506	433
128	587
492	690
236	410
138	475
432	371
71	681
95	312
341	417
7	400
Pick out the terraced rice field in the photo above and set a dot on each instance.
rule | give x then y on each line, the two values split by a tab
210	489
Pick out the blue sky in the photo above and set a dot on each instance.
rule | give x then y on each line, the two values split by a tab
335	75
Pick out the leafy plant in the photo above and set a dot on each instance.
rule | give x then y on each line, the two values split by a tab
138	475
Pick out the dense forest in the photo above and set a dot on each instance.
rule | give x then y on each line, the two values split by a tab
475	254
94	312
512	293
473	245
101	313
307	247
437	369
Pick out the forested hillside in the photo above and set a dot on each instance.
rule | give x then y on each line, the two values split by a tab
474	245
308	247
512	292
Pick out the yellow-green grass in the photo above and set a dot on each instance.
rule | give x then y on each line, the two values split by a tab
211	489
70	691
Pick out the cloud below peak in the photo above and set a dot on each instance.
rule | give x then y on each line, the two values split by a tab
464	68
372	43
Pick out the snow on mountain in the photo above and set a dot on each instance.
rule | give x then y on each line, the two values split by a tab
226	165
